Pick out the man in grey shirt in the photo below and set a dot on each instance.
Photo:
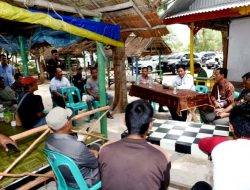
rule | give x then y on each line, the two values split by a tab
92	89
63	142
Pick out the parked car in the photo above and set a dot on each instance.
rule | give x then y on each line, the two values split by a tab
215	62
149	61
206	55
169	64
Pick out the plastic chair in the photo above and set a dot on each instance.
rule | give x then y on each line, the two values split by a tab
56	160
95	103
201	89
79	105
236	94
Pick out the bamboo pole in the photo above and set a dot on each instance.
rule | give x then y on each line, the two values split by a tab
84	114
28	133
26	152
89	134
48	174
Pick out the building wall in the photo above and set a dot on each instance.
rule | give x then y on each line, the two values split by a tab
239	49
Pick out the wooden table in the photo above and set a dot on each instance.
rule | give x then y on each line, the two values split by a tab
182	100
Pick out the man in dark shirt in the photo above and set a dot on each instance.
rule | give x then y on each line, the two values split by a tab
79	81
62	141
17	85
133	163
52	63
30	108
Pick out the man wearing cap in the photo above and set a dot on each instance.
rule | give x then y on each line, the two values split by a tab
62	141
7	96
56	86
30	106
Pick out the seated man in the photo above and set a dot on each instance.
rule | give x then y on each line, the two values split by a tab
30	107
92	89
201	73
231	156
4	141
133	163
244	98
79	81
7	96
146	79
56	84
62	141
222	96
183	81
17	85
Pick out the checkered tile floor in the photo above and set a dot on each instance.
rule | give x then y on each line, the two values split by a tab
183	137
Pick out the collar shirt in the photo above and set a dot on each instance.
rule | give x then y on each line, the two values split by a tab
145	80
223	92
58	85
7	72
187	82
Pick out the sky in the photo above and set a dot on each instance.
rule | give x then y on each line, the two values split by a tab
182	32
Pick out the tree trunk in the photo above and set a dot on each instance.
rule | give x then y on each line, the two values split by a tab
121	100
41	64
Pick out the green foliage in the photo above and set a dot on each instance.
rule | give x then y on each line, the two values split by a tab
208	40
173	41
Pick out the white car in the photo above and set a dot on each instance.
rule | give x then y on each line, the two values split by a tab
149	61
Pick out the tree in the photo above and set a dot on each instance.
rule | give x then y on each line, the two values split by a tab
121	100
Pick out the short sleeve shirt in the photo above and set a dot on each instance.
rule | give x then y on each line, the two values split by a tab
93	85
58	85
7	73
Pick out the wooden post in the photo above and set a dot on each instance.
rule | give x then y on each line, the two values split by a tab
192	48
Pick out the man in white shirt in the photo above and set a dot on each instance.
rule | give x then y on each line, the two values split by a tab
183	81
57	83
231	157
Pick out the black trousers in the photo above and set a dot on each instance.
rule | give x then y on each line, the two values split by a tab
175	116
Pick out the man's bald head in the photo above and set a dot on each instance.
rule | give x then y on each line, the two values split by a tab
59	73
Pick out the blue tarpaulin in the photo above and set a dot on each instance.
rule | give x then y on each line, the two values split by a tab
108	30
42	34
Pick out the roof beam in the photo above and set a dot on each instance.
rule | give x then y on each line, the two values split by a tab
143	29
60	7
139	13
115	7
96	4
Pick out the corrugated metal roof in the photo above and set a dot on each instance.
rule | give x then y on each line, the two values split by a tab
212	9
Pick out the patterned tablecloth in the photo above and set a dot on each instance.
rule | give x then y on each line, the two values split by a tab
182	100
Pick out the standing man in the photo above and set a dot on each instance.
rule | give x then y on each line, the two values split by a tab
183	81
30	108
222	96
146	79
53	63
92	89
6	71
56	86
132	162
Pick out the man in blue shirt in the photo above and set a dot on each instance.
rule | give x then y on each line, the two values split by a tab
6	71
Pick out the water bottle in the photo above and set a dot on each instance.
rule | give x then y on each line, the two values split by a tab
175	88
1	112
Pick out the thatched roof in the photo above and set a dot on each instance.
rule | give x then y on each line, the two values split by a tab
137	46
138	16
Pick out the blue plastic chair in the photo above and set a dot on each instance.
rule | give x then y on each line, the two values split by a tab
56	160
201	89
236	94
95	103
79	105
